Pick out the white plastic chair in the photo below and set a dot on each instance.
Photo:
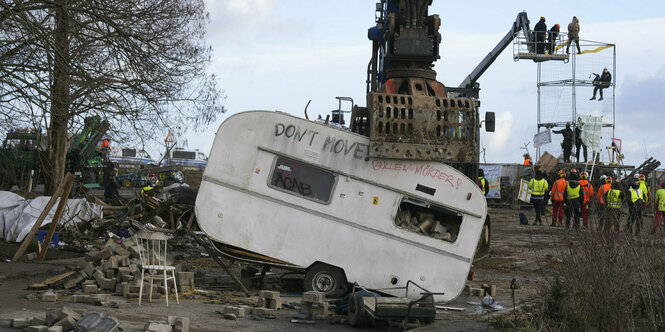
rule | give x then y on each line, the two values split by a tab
152	253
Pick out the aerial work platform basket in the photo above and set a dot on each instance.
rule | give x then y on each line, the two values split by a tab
524	48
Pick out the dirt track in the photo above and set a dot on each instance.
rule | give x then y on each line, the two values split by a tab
521	252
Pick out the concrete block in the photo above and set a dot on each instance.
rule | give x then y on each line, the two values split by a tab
261	302
124	261
71	283
120	305
313	297
95	298
493	290
37	328
182	276
89	289
230	316
92	256
106	253
127	278
98	275
67	323
49	297
51	316
185	288
37	321
110	273
19	323
134	269
182	324
89	282
54	329
274	304
125	288
269	294
123	271
121	251
118	288
66	311
80	298
171	320
31	256
107	284
88	270
239	312
263	312
320	311
157	327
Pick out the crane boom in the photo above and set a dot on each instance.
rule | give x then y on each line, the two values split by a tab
521	23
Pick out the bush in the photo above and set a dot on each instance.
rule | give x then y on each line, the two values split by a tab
608	282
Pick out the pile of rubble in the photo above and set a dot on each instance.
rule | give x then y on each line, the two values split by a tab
66	319
116	270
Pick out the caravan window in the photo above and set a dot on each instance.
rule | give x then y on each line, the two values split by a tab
428	219
301	179
202	156
179	154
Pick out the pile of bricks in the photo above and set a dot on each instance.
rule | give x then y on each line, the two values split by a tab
57	320
116	269
267	303
314	305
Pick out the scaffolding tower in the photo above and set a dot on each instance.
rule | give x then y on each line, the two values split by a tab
564	93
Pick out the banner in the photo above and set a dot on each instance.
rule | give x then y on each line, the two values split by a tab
591	127
493	176
542	138
524	194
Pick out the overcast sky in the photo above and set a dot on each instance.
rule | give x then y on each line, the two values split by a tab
277	55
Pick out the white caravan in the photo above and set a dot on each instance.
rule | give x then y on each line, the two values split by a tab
308	195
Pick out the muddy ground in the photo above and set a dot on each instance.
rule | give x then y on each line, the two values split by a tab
523	253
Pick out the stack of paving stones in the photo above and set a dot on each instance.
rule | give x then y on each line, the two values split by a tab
172	324
314	305
115	270
268	302
56	320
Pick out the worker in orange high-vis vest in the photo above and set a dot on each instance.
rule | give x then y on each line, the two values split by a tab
527	160
601	203
558	188
587	187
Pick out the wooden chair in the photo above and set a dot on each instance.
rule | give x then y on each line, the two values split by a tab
152	253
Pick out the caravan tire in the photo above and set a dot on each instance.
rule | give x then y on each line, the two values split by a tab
326	279
356	313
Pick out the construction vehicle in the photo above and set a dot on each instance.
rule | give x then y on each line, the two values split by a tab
390	202
23	155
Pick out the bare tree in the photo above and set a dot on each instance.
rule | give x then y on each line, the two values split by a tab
140	64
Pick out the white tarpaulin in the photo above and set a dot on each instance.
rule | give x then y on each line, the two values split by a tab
18	215
592	130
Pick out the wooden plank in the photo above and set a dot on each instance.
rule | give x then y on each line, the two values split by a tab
191	220
69	181
38	223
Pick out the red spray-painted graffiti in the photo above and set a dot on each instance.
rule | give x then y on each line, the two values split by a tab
422	170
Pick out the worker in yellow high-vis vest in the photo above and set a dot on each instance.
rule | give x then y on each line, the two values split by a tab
538	187
573	195
635	206
613	213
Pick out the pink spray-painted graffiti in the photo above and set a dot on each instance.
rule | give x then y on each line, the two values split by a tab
422	170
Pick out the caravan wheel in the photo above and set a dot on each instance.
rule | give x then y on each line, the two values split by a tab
326	279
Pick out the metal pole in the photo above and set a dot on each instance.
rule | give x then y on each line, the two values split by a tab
574	96
614	69
538	78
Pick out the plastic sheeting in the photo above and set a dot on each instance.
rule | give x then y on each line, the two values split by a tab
18	215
